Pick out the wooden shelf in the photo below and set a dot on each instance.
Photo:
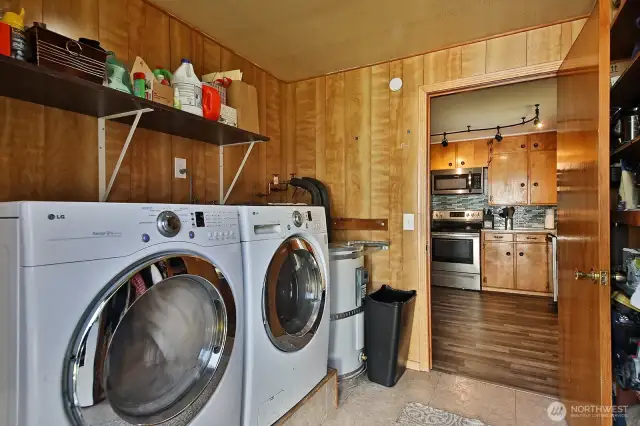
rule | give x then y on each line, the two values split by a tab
625	92
629	217
630	150
624	31
31	83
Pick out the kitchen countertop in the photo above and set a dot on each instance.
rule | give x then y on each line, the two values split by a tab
523	230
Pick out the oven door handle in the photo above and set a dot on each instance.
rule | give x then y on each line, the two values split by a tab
455	236
469	180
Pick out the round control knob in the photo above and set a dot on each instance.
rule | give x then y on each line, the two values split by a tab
168	224
297	219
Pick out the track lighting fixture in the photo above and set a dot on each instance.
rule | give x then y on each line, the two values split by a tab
498	137
536	121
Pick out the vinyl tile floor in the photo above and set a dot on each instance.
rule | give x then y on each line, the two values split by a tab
374	405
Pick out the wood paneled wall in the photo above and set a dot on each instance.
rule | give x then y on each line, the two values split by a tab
50	154
346	129
350	131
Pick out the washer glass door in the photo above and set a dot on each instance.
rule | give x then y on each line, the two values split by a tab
154	344
294	295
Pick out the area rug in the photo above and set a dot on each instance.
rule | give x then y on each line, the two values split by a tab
416	414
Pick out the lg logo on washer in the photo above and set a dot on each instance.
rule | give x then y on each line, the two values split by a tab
55	216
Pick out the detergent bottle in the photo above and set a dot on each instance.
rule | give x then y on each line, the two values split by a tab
188	87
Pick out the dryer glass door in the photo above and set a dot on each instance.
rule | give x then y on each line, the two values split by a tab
162	337
294	295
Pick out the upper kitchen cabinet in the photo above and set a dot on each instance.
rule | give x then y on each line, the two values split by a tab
443	158
464	154
511	144
472	153
523	170
543	184
508	182
546	141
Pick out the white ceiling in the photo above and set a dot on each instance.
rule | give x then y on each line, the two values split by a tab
492	107
296	39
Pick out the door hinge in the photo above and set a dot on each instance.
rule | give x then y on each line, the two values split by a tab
427	248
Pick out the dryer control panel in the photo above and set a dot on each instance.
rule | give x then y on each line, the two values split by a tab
266	222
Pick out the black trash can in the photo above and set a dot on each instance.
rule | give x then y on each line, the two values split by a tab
388	318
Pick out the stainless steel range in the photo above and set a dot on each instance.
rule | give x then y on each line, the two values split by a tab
455	248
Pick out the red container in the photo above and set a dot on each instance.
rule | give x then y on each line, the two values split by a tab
5	39
210	102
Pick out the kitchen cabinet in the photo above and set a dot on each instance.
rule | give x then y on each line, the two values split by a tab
516	262
472	154
511	144
546	141
443	158
543	185
532	267
499	265
508	183
466	154
522	170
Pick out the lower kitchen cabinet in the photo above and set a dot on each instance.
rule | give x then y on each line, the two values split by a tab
521	266
532	267
499	265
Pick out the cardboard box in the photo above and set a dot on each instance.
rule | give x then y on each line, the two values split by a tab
154	91
244	98
228	116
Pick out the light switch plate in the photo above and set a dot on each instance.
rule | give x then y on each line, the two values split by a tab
180	164
408	222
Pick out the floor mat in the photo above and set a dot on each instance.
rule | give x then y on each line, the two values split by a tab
416	414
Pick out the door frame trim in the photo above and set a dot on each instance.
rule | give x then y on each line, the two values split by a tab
425	93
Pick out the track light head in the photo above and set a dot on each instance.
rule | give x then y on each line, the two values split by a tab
537	123
498	137
445	141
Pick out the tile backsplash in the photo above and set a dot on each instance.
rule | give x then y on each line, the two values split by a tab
524	217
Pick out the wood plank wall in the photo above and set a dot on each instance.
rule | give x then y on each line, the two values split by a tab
346	129
350	131
50	154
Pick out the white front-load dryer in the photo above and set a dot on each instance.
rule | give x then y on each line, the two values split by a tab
120	314
285	254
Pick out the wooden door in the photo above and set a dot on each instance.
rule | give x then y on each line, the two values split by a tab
443	158
508	183
511	144
498	265
532	267
543	185
583	220
472	154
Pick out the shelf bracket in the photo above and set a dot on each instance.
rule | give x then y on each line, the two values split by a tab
223	196
103	188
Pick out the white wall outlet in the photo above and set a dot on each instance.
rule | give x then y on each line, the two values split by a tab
181	164
408	222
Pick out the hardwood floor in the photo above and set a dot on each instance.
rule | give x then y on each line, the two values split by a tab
502	338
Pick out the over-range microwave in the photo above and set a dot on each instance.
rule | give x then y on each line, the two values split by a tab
457	181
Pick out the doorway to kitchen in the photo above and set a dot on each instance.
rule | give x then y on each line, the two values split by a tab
492	203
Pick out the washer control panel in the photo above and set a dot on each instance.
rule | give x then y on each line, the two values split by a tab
198	224
218	225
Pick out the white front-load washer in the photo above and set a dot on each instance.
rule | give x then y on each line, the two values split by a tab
285	254
120	314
